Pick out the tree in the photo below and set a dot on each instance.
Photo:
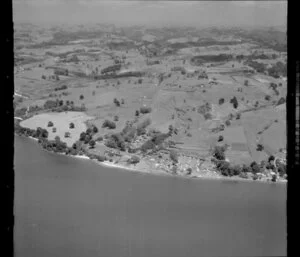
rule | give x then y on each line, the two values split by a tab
137	113
259	147
89	131
87	138
92	143
116	102
271	158
71	125
43	77
50	124
95	129
109	124
100	138
234	102
246	83
255	167
116	118
221	101
81	97
67	134
221	138
82	136
122	101
227	122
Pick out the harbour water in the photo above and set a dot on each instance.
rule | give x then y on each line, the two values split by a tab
72	207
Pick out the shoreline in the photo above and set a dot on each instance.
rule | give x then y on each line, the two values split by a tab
159	172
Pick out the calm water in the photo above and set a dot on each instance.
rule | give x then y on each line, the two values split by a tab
70	207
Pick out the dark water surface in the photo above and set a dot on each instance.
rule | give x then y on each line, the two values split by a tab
70	207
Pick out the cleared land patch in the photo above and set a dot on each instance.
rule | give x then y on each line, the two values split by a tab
61	122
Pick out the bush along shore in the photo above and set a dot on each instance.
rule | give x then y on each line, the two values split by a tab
156	146
55	145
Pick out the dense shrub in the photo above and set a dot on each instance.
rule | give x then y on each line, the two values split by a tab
145	109
281	101
101	158
267	98
109	124
144	124
281	169
219	152
141	131
227	123
130	134
255	167
271	158
208	116
94	129
159	138
277	70
87	138
243	175
116	141
223	167
236	170
40	132
63	87
92	143
246	169
148	145
259	147
134	160
174	156
234	102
